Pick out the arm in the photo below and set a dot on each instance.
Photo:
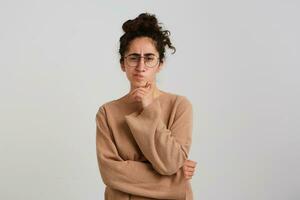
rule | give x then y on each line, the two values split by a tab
166	149
137	178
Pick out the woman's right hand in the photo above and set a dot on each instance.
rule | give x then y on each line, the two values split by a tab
189	168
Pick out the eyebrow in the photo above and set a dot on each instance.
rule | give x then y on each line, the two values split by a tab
137	54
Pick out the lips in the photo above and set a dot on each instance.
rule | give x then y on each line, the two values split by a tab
138	75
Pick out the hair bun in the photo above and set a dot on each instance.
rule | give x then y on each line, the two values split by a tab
145	25
144	22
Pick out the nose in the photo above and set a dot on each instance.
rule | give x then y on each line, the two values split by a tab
141	65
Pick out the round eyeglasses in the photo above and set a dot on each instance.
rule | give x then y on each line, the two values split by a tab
134	60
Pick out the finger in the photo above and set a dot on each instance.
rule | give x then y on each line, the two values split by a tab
140	93
143	89
189	173
137	90
190	163
136	96
189	169
133	91
188	177
149	85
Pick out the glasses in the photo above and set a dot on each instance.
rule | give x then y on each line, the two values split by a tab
134	60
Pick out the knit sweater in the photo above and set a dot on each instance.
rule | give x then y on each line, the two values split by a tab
141	152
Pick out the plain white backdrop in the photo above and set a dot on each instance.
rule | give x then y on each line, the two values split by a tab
237	62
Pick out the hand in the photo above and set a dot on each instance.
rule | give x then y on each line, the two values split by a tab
143	94
189	168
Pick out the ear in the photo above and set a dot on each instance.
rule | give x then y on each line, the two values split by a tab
160	66
122	66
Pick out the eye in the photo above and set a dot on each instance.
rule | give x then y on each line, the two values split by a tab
133	58
149	58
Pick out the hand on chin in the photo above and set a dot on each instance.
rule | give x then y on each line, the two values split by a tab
143	93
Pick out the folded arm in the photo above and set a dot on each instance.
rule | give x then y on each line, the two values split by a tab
166	149
133	177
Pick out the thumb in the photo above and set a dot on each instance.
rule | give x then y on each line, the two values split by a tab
150	85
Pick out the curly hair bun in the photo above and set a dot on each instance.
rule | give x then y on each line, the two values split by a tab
145	22
145	25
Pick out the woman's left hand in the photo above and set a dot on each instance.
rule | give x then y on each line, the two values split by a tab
189	168
144	94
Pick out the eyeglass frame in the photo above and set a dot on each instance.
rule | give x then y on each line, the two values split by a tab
140	57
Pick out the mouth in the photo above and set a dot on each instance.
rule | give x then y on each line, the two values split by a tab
138	76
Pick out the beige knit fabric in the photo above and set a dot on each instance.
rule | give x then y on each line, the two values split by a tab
141	152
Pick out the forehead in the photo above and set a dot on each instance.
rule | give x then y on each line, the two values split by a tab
142	45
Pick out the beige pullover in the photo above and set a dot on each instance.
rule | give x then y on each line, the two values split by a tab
141	153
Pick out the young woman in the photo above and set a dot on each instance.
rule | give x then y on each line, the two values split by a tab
143	138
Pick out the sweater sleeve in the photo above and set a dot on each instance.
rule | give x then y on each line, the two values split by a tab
132	177
166	149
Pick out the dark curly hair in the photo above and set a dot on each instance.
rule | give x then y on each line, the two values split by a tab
145	25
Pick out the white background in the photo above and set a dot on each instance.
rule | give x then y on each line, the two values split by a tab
237	62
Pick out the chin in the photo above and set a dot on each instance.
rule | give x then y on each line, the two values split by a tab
138	83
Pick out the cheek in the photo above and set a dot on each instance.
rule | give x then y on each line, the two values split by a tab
129	75
151	74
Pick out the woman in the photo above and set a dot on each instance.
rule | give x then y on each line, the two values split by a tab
143	138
